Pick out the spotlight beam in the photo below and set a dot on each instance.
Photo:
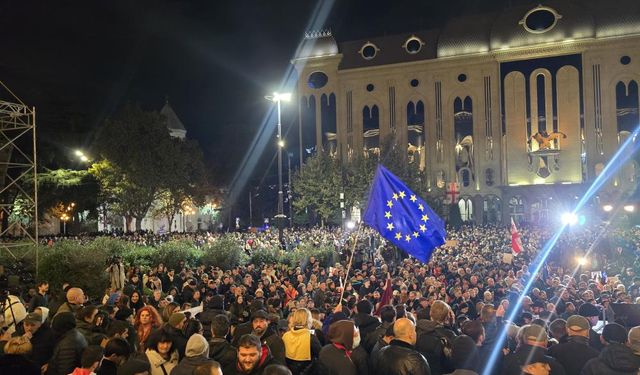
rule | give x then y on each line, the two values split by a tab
628	148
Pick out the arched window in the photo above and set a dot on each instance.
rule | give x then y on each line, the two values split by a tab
516	208
309	125
328	120
371	129
491	210
463	127
627	106
466	209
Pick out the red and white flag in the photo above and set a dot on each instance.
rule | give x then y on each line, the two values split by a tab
516	243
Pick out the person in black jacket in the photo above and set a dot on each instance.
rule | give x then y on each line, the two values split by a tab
532	350
252	359
364	321
435	339
400	357
42	339
173	329
343	356
616	358
574	353
388	316
14	360
219	348
68	350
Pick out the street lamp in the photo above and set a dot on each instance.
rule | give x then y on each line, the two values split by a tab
277	98
64	218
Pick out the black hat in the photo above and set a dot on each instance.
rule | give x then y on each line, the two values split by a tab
614	332
259	314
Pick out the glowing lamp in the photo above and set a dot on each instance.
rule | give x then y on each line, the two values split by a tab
607	208
569	218
629	208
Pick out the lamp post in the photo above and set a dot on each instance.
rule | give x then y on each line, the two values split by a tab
280	217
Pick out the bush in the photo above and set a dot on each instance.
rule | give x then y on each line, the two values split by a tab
225	253
77	264
173	252
265	256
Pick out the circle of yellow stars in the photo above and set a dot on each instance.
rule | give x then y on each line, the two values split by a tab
387	214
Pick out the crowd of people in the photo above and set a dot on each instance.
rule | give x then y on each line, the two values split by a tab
474	308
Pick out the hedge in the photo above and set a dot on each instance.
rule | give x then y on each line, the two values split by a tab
84	264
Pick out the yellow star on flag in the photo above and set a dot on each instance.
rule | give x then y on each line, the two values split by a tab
413	198
398	236
407	238
390	226
402	194
387	214
425	218
395	196
415	234
421	207
423	228
389	204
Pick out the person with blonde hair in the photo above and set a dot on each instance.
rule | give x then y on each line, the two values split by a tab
301	346
14	360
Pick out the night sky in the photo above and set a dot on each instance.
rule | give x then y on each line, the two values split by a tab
78	61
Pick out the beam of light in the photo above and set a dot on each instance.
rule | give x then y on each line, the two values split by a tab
569	218
268	125
628	148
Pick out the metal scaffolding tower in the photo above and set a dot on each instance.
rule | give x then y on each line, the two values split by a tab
18	179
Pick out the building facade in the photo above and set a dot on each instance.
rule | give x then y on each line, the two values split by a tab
521	108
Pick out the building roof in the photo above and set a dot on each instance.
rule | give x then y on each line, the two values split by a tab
492	31
173	122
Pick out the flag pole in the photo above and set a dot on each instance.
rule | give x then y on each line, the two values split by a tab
353	251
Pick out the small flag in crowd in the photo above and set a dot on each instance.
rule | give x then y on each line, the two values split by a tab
516	243
402	217
385	299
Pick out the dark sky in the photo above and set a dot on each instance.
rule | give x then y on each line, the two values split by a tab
78	61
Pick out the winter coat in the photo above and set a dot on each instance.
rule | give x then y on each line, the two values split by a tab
17	364
334	361
42	343
366	324
179	341
372	338
529	354
223	352
88	330
615	359
433	341
573	354
188	364
301	349
157	362
67	353
400	358
116	275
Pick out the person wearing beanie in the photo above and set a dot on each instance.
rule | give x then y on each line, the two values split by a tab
173	328
465	356
363	319
70	344
616	357
196	354
575	352
343	356
134	367
592	314
532	350
269	336
42	338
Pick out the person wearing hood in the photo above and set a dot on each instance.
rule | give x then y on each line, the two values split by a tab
252	358
219	348
532	350
196	354
41	337
161	353
435	339
363	319
342	356
400	357
301	346
68	349
575	351
616	358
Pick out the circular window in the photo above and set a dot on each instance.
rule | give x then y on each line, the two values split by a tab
369	51
462	77
317	80
625	60
414	83
370	87
540	19
413	45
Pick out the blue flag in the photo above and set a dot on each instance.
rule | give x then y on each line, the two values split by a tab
402	217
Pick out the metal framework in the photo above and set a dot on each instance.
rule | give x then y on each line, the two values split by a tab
18	179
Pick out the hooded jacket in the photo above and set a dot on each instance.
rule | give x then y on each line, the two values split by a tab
366	324
223	352
432	340
339	357
573	354
615	359
157	362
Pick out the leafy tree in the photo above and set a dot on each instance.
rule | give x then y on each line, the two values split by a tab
357	180
317	186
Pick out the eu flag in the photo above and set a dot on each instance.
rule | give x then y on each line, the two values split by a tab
402	217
